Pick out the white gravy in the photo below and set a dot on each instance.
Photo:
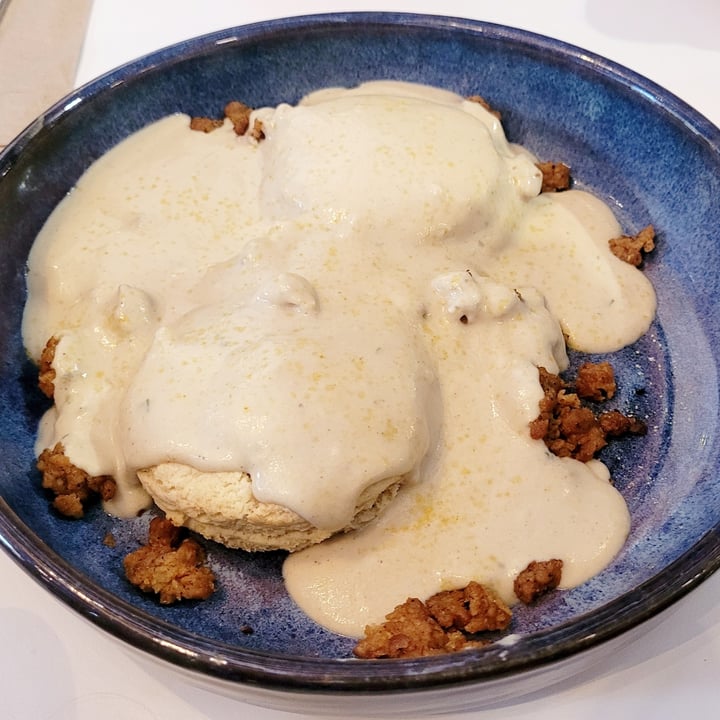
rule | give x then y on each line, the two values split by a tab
365	293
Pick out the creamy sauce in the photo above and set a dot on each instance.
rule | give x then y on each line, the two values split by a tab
365	293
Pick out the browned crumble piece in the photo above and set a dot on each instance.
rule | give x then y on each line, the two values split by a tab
409	631
109	540
615	424
72	486
441	625
551	384
480	100
170	566
257	131
630	248
555	176
595	381
457	640
46	374
472	609
205	124
567	427
538	578
579	433
239	115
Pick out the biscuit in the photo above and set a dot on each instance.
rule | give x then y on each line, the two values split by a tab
221	507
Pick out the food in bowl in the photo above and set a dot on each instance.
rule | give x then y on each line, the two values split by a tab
336	320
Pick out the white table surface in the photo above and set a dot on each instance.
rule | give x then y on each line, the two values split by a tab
56	666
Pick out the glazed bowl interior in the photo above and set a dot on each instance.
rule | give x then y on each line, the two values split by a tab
652	158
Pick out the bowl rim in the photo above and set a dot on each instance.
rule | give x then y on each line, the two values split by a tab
347	675
662	99
221	660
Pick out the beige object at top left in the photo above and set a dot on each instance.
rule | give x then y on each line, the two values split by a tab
40	43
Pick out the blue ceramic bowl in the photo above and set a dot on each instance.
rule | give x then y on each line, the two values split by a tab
635	145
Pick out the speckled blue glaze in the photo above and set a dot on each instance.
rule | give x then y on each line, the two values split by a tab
638	147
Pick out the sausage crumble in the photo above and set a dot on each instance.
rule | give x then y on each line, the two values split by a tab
239	115
443	624
46	372
72	486
570	429
451	620
555	176
538	578
595	381
170	565
632	248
